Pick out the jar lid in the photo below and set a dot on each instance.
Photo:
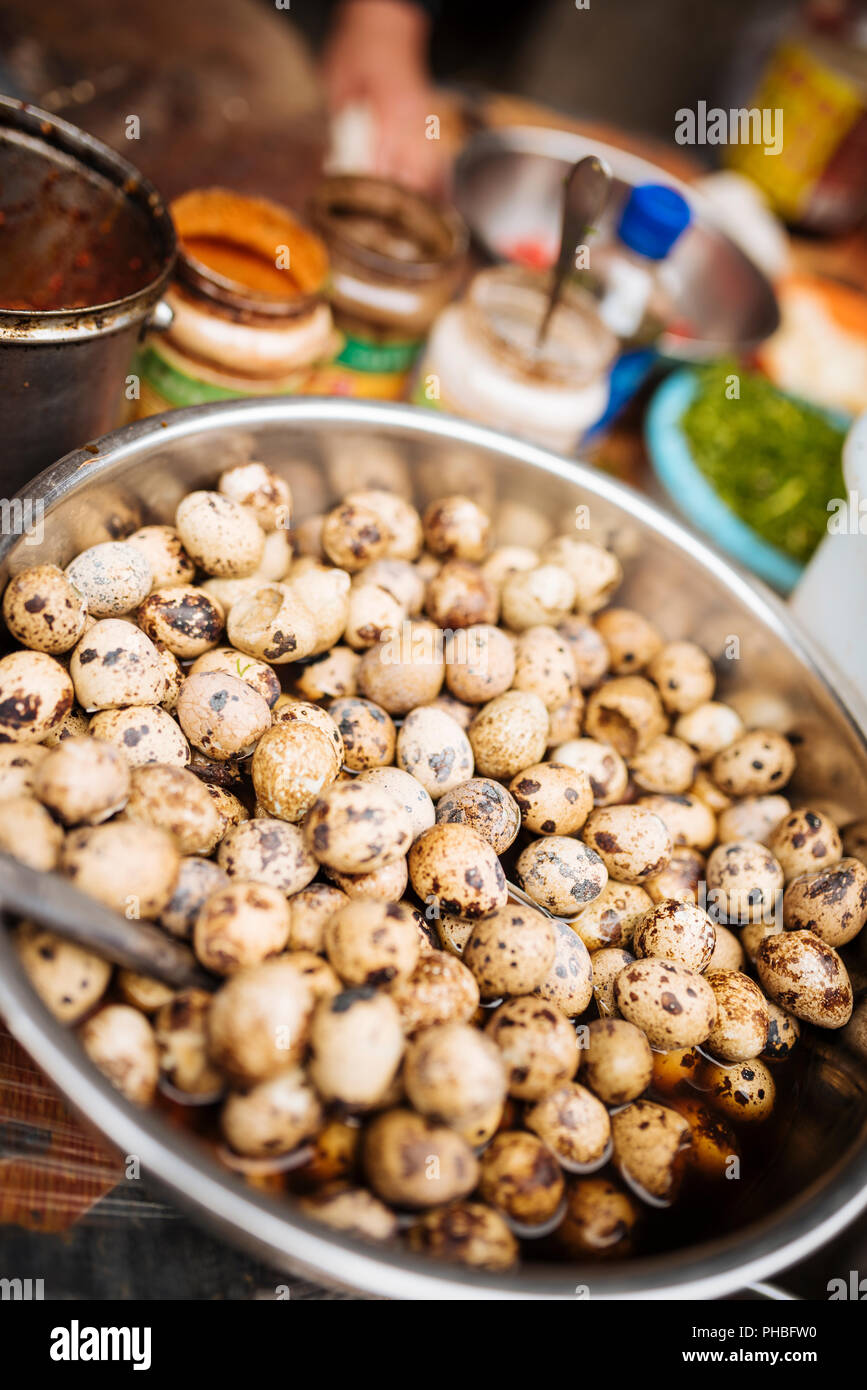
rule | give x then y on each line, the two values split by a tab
386	228
652	219
508	304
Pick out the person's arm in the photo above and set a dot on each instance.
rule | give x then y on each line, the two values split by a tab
376	54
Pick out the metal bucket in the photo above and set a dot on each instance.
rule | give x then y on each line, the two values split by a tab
818	1181
62	371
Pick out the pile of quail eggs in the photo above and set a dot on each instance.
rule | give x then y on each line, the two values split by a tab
487	880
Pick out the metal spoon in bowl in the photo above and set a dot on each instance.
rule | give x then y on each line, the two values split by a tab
585	193
53	902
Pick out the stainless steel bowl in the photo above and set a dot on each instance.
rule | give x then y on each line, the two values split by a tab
508	184
819	1182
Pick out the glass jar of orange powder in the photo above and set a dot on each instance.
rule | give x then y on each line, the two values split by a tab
249	314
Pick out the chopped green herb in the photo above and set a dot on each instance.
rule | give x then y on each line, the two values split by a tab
773	460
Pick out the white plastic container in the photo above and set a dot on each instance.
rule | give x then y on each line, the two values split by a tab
482	361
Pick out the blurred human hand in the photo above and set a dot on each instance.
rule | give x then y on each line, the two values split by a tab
376	55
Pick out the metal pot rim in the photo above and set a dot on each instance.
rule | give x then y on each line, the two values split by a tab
284	1235
65	325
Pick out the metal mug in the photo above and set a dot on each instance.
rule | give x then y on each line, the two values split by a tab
62	372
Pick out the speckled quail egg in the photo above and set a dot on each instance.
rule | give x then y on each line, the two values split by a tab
633	843
440	990
684	675
608	963
120	1041
455	867
709	728
367	732
519	1175
610	919
220	535
728	953
434	749
480	663
671	1004
35	695
83	781
467	1233
221	715
752	818
411	795
676	931
456	527
758	762
538	1043
19	763
600	1219
369	942
605	768
293	763
568	982
68	979
743	1091
128	866
270	851
741	1028
682	877
626	713
689	820
651	1143
273	1117
486	807
743	881
561	873
406	670
783	1033
574	1125
143	734
43	610
357	827
242	925
805	841
29	833
510	952
112	578
174	800
805	976
554	799
831	902
666	766
258	487
616	1061
259	1021
588	649
181	1038
412	1162
596	572
197	879
544	595
453	1073
114	665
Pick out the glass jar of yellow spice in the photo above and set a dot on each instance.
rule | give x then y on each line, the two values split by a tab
248	309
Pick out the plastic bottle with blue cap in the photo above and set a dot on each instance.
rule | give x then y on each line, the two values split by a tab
651	221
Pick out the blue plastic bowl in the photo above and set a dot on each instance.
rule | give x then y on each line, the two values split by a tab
693	495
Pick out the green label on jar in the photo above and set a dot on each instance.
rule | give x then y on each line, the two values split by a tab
173	385
364	355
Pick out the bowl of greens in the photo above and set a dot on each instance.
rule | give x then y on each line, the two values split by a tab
747	464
